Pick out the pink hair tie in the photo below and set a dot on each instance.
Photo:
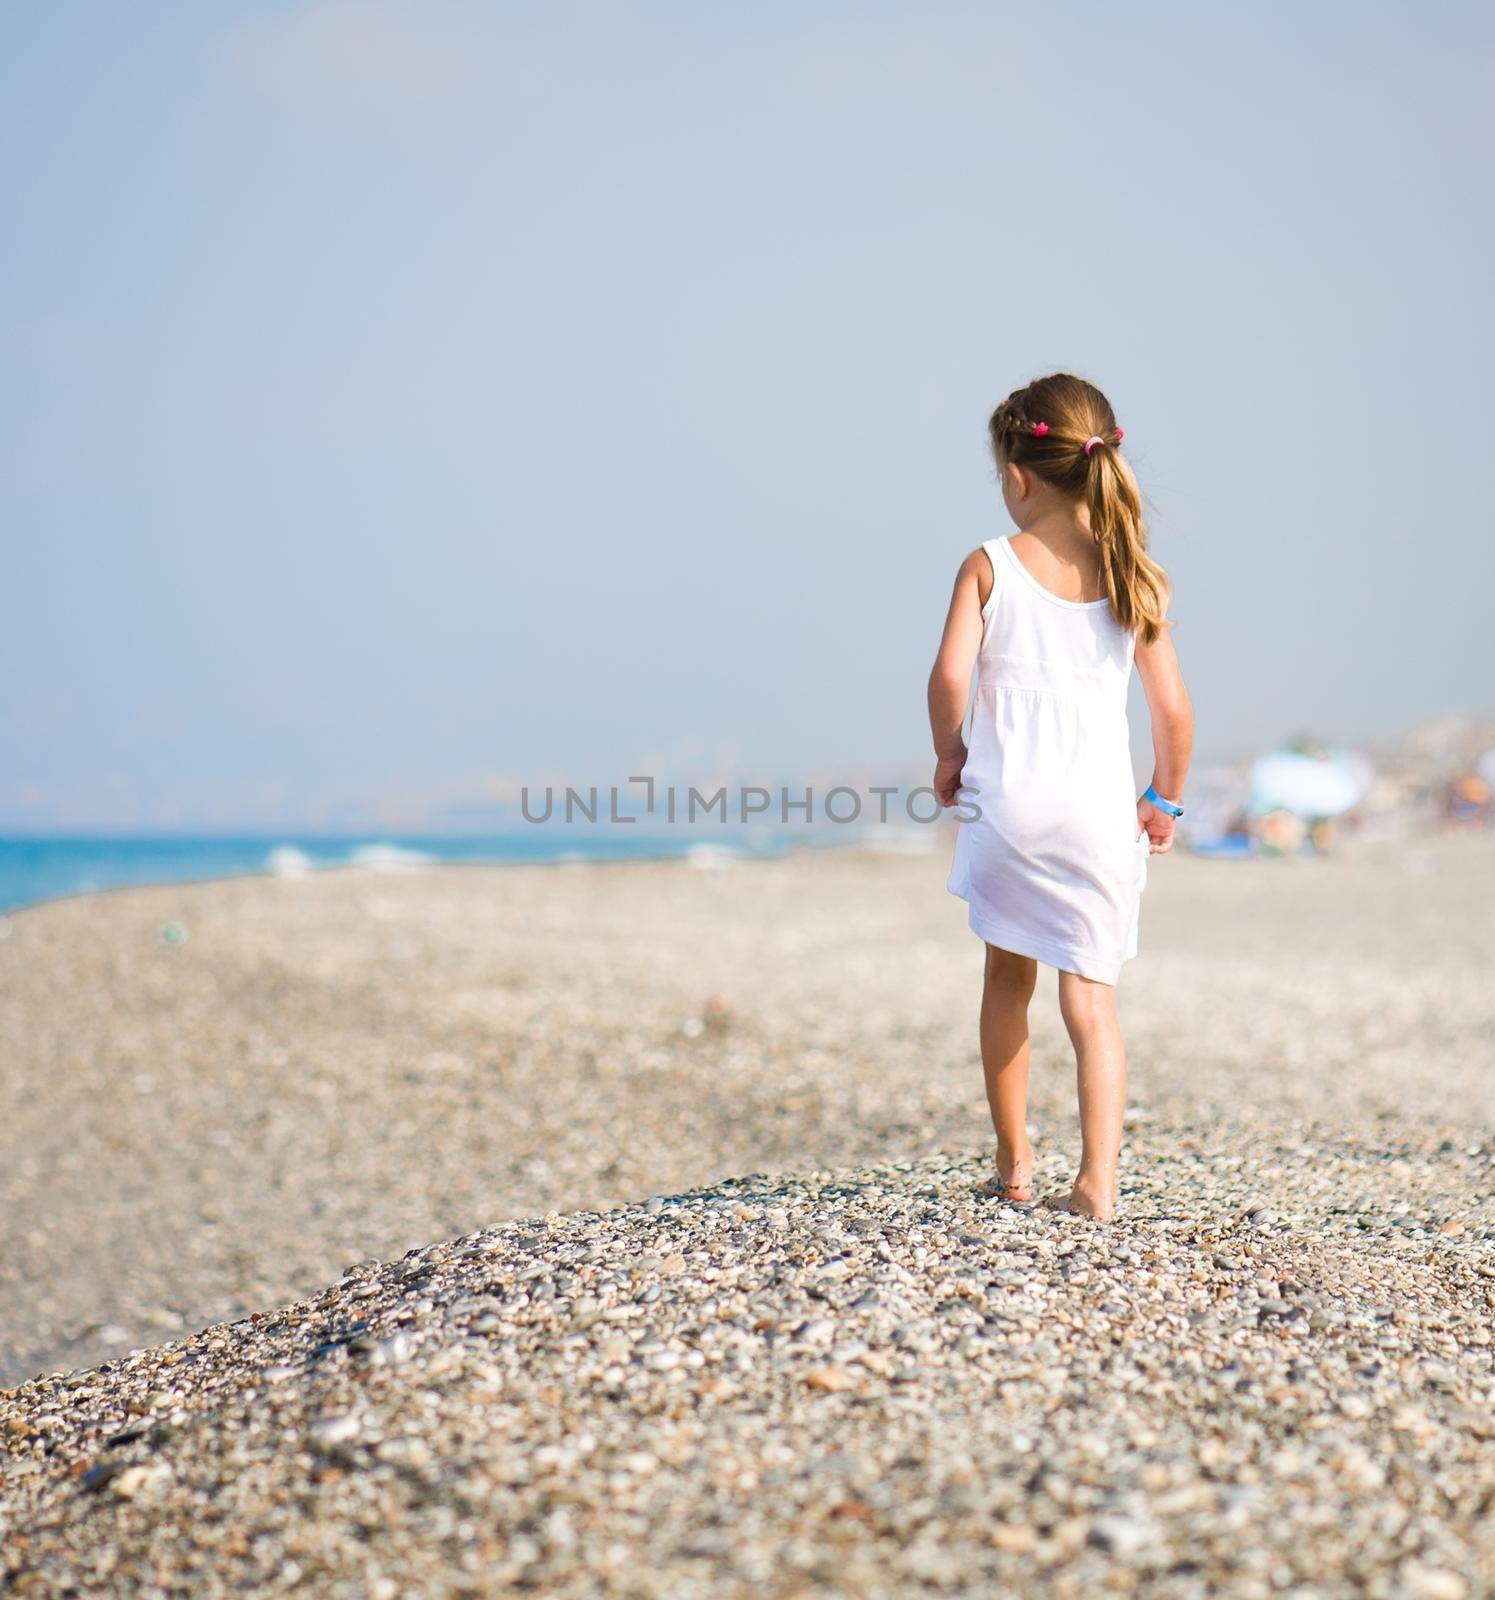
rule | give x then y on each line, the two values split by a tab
1092	441
1039	429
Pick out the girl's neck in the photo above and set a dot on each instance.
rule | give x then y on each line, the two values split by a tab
1064	529
1067	562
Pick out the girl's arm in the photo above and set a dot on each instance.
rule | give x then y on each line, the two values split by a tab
1172	715
950	681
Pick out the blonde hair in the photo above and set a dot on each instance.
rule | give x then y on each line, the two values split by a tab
1064	430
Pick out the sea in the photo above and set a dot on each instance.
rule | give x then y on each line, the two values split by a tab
33	869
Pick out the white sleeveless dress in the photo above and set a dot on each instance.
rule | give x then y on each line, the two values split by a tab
1056	863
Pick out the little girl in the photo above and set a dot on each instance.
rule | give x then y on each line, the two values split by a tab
1052	849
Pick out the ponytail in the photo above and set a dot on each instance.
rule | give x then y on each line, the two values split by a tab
1136	585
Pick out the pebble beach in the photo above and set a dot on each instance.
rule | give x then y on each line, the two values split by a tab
612	1230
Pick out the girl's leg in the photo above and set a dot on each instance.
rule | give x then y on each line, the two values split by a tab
1004	1061
1089	1010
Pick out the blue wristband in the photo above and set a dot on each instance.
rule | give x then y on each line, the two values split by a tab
1152	797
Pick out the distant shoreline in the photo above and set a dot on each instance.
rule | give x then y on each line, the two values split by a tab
230	857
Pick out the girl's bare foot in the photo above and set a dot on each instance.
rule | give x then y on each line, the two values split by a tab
1013	1180
1082	1201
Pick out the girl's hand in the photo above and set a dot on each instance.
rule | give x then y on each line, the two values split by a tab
947	771
1157	825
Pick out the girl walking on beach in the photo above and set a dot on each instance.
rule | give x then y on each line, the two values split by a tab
1054	859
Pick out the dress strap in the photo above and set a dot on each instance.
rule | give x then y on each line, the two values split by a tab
996	576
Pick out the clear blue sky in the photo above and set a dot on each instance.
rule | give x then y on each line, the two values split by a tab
401	397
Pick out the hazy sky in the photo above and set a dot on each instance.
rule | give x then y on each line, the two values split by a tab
404	396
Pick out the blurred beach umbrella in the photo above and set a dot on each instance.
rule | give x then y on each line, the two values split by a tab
1321	785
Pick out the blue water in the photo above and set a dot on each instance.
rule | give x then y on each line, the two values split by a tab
33	869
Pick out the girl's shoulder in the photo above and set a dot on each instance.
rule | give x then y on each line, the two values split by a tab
979	567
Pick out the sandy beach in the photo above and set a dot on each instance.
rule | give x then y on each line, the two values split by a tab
220	1099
